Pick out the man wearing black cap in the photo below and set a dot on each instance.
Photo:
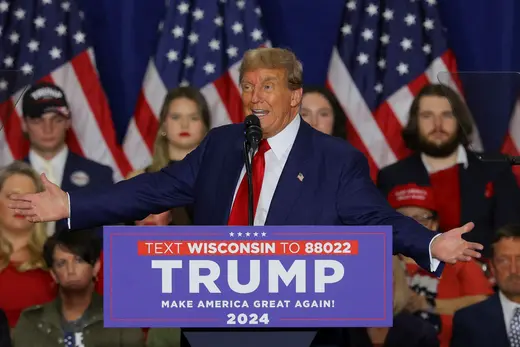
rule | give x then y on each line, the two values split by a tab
46	119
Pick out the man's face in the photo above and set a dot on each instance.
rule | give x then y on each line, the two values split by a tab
437	127
71	272
506	265
266	94
47	133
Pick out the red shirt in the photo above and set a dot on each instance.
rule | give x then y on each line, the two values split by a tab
446	188
21	290
457	280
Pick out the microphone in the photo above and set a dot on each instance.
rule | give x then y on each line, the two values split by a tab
498	158
253	135
253	131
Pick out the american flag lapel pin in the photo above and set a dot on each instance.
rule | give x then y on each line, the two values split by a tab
300	177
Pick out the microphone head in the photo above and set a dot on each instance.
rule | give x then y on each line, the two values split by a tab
252	120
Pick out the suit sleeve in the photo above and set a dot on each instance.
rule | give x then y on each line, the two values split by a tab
507	199
361	203
5	334
461	335
136	198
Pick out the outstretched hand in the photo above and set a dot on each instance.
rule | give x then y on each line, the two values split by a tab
450	247
50	205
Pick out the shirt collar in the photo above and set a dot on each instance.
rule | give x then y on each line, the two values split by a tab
508	306
283	141
462	158
59	159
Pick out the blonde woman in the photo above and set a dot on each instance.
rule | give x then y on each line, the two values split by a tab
24	278
184	122
407	330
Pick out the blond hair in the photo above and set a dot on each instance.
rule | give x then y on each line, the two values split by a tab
401	289
274	58
39	233
161	155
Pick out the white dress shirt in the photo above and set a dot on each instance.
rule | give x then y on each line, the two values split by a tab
275	159
508	310
53	169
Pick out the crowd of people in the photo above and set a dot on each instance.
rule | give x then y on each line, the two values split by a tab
52	279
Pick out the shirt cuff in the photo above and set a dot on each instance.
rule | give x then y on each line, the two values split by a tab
68	219
434	263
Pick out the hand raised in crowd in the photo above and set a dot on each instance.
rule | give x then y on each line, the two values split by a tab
450	247
50	205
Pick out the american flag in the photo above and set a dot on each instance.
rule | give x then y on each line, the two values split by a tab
201	44
385	53
45	41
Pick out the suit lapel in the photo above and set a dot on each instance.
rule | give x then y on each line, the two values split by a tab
292	183
495	319
232	165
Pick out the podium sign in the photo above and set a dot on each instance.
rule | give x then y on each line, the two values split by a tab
248	277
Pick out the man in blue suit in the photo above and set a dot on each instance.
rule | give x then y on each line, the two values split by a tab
495	321
306	177
46	120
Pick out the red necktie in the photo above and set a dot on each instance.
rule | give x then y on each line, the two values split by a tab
239	212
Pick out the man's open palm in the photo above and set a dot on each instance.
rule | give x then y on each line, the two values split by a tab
50	205
450	247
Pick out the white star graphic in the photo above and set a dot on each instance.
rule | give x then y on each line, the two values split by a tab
241	4
55	53
258	11
183	8
255	234
428	24
427	49
209	68
232	51
185	83
362	58
3	85
264	233
351	5
61	29
47	2
193	38
402	68
214	45
237	28
160	27
33	45
385	39
65	6
4	6
239	234
248	234
388	14
14	37
188	61
409	19
39	22
372	10
432	2
256	35
218	21
19	14
27	69
8	61
172	55
79	37
346	29
406	44
231	234
381	63
378	88
177	32
367	34
198	14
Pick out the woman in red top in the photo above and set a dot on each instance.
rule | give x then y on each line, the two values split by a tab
24	280
461	284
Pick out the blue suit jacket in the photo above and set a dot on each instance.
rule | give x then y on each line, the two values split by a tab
480	325
99	176
336	190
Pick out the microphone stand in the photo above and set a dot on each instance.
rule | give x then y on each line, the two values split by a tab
249	173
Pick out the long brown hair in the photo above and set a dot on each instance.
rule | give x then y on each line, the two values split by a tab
39	233
460	110
161	156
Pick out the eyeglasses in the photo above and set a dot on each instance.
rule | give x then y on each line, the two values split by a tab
423	219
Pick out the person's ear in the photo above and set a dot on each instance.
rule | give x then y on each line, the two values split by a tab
296	97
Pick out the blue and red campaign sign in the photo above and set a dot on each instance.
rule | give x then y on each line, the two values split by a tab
221	276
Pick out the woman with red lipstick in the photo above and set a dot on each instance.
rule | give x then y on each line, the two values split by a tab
24	279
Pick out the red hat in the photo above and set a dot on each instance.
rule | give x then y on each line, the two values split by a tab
412	195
